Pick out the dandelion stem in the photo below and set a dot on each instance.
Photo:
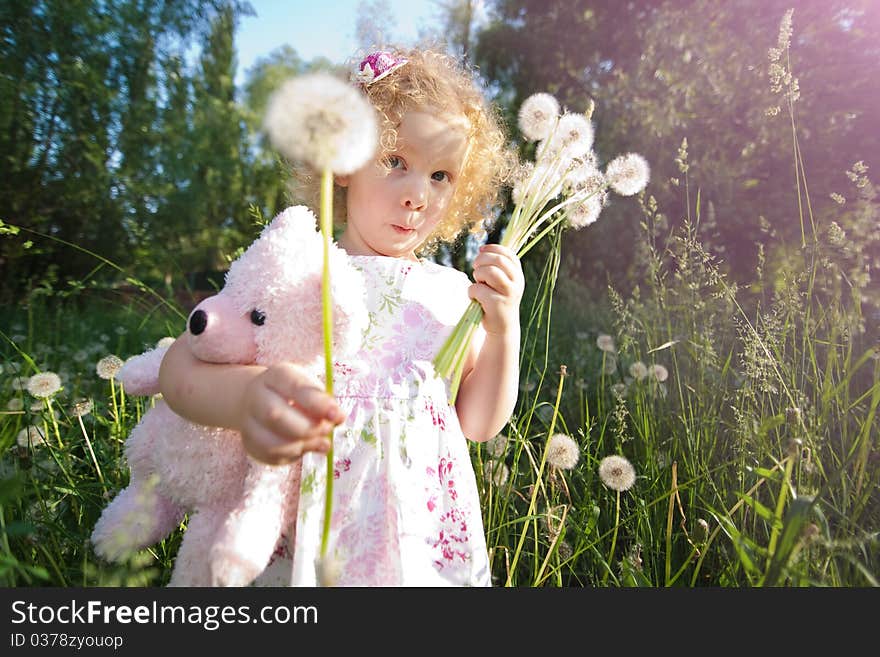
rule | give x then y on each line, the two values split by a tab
91	451
326	220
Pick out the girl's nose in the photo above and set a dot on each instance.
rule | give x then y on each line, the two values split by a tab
415	196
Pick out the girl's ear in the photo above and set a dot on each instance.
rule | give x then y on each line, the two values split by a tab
342	181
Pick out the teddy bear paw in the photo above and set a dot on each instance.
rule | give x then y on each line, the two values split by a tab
228	569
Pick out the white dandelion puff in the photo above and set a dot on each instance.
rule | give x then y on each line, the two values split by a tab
659	372
537	116
165	342
15	404
327	570
319	119
586	212
82	408
496	447
563	452
628	174
573	137
617	473
638	370
606	343
496	472
44	384
31	435
108	367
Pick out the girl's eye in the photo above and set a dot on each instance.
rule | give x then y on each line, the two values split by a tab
440	176
393	162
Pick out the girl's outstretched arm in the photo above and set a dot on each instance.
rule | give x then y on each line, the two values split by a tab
280	411
490	382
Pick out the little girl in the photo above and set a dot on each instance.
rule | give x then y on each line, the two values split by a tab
406	509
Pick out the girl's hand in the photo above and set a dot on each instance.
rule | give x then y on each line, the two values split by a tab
285	413
499	288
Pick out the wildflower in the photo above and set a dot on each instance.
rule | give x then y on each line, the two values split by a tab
638	370
31	435
838	198
836	234
497	472
15	404
619	389
659	373
82	408
496	447
563	452
167	341
606	343
617	473
537	115
108	367
323	121
628	174
44	384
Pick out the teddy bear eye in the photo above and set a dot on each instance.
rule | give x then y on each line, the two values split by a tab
258	317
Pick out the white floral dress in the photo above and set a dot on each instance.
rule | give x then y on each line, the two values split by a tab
406	511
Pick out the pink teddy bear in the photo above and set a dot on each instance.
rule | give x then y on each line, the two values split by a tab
240	510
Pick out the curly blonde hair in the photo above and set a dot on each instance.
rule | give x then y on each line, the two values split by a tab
437	83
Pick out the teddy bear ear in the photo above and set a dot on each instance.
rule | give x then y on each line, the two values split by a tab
294	218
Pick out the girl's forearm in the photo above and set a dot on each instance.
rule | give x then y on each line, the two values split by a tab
487	395
205	393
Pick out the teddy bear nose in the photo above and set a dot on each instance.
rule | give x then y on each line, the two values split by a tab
197	322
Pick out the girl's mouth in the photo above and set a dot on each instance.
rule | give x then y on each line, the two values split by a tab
403	230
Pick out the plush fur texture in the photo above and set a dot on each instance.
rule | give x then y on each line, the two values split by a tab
268	311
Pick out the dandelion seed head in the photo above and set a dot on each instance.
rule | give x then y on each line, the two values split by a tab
565	550
497	447
638	370
44	384
563	452
82	408
587	212
619	389
496	472
320	120
108	367
327	570
537	116
15	404
31	435
617	473
628	174
606	343
19	383
572	138
659	372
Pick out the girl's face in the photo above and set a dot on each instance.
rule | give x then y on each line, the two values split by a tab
393	208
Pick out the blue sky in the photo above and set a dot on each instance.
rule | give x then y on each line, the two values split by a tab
325	27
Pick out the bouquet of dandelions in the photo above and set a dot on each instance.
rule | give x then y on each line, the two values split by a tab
331	126
563	185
